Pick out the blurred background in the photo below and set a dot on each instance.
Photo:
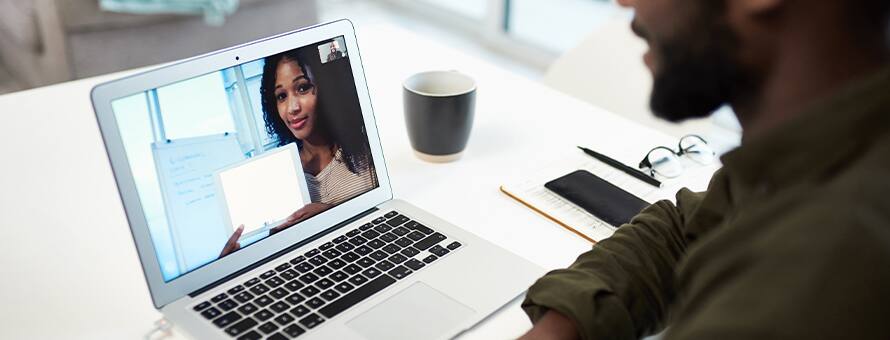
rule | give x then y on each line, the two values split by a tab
581	47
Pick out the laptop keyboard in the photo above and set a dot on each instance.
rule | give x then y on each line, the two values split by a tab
302	293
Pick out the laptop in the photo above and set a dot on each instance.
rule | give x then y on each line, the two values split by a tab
197	145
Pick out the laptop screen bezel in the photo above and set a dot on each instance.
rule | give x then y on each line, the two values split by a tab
104	94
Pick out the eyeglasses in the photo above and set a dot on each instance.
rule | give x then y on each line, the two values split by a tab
666	162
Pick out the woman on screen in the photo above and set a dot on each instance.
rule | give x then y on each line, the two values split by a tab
333	146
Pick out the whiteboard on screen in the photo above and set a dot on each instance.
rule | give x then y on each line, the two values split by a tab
185	170
262	191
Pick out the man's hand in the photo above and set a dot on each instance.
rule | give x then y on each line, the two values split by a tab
552	326
232	244
302	214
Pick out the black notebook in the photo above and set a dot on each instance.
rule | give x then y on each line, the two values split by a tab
597	196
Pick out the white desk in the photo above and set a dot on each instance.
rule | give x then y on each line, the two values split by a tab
69	269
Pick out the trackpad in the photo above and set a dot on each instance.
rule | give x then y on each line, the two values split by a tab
418	312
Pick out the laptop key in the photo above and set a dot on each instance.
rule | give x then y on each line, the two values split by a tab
267	274
399	272
352	269
322	271
378	255
376	244
311	320
338	276
384	265
326	246
430	259
344	247
343	287
293	285
274	281
365	262
356	296
331	253
397	258
404	242
293	330
294	298
297	259
309	291
252	335
247	308
299	311
309	278
252	281
414	264
288	275
400	231
211	313
227	319
279	307
324	284
330	295
371	273
363	250
349	257
263	315
315	302
398	220
241	327
227	305
382	228
416	235
409	251
422	228
353	232
279	336
391	248
244	297
439	250
340	239
312	253
279	293
388	237
235	290
429	241
454	245
368	225
358	280
336	263
358	240
304	267
259	289
390	214
282	267
218	298
268	328
370	234
318	260
263	301
284	319
201	306
379	220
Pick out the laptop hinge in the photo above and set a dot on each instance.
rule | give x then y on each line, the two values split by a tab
281	252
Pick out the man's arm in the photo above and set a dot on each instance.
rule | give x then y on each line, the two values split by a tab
622	287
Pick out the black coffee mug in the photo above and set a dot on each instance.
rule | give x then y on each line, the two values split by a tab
439	109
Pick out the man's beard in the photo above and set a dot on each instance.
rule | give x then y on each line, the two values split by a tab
696	74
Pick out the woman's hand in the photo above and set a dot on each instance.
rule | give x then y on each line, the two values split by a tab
232	244
302	214
552	326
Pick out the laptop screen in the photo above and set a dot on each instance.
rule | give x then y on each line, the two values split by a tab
226	159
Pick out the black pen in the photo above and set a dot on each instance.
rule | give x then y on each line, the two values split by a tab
621	166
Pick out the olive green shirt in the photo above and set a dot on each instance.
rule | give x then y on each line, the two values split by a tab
791	240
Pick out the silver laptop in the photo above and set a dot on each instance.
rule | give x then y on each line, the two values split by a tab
257	193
